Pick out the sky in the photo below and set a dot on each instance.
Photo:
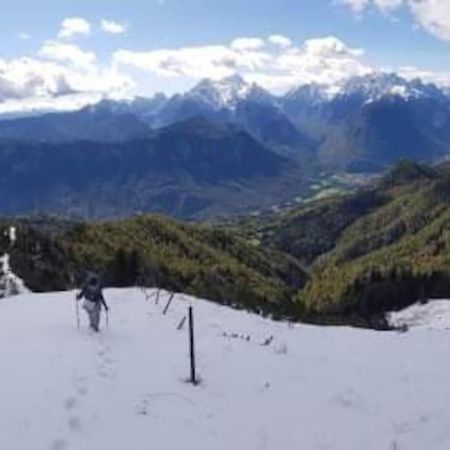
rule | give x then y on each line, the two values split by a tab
67	53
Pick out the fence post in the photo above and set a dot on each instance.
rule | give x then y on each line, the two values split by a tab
193	379
172	295
181	324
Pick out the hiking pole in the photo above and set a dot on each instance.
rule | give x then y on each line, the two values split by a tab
78	313
107	319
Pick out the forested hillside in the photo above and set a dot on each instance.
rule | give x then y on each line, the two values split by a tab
155	251
378	249
349	258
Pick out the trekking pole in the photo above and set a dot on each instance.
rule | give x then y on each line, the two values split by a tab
78	313
107	319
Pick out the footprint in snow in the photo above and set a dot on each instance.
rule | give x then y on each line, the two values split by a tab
59	444
70	403
103	373
74	424
105	367
82	390
143	409
350	399
164	398
80	386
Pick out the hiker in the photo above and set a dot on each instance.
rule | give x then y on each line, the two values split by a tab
93	300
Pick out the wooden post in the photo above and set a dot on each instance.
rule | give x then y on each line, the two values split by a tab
172	295
181	324
193	379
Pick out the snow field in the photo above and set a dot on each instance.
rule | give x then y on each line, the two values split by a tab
265	385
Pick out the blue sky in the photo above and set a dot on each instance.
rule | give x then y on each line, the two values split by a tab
168	45
154	24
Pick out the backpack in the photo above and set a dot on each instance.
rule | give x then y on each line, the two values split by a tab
93	293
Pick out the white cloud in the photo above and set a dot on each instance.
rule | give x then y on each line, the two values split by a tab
330	46
360	5
246	43
110	26
68	76
388	5
432	15
280	40
428	76
73	26
26	77
357	6
58	51
327	60
69	102
61	73
193	62
81	69
61	83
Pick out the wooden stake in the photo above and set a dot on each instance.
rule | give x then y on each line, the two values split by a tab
193	379
181	324
168	303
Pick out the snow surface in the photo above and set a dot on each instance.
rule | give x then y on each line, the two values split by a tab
10	283
309	388
432	315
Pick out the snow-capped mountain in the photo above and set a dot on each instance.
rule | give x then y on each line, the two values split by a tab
214	99
222	94
276	120
377	117
379	85
370	121
380	118
246	105
312	94
319	99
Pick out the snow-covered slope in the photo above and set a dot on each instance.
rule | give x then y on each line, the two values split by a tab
309	388
433	315
10	283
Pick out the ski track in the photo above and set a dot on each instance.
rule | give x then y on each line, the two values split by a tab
264	385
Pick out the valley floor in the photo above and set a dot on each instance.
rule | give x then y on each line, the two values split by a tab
309	388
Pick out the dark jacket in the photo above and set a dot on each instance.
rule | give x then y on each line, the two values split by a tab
93	294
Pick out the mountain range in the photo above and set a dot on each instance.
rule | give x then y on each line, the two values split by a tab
189	169
224	146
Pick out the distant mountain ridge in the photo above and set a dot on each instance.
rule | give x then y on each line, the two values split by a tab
96	124
190	169
369	122
225	146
